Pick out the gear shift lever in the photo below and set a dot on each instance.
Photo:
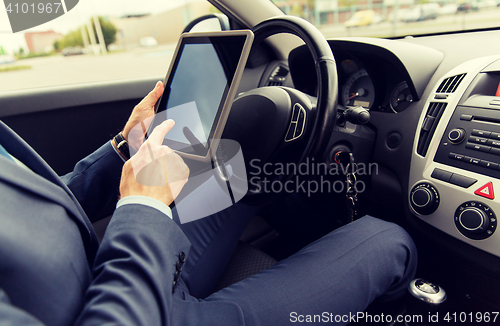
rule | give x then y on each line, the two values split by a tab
426	291
425	298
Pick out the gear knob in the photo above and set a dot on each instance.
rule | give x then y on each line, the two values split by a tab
426	291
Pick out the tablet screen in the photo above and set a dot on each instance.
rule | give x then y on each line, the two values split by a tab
200	87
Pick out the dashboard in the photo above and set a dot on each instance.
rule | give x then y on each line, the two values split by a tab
434	132
454	170
370	75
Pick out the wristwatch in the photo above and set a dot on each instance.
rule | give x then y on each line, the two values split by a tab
121	146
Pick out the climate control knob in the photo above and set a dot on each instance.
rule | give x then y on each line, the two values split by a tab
475	220
424	198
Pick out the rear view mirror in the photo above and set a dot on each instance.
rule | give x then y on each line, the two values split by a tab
209	23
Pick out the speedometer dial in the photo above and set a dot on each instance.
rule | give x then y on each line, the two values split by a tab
401	98
358	90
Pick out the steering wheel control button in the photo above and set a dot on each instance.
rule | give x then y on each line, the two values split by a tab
296	128
441	175
462	181
300	123
475	220
426	291
456	136
486	191
424	198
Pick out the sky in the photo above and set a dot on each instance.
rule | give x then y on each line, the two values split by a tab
11	42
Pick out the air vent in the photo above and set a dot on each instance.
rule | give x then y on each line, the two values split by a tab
278	76
450	84
434	113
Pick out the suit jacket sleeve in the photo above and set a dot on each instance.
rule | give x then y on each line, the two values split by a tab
134	269
95	182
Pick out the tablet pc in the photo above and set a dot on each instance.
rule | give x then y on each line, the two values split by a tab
200	86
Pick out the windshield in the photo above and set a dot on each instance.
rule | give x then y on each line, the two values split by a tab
393	18
89	41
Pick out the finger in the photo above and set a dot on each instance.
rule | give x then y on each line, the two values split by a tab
152	97
159	133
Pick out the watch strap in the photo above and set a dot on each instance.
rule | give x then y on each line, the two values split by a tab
122	146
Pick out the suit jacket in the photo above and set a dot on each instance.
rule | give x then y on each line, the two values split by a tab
54	272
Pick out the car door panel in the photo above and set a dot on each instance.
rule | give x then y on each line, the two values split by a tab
64	124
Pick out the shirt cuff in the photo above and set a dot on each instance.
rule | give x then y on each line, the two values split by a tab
146	201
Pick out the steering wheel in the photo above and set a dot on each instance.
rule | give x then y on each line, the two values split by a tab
280	126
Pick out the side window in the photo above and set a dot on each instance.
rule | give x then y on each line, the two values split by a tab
93	41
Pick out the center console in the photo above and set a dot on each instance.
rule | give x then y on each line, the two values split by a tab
455	168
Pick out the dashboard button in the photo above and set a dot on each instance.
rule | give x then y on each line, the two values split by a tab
474	220
494	143
455	156
478	140
466	117
480	133
462	181
472	160
456	136
495	151
441	175
424	198
495	135
486	191
489	165
478	147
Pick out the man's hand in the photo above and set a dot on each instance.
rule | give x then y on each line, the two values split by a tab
141	117
155	171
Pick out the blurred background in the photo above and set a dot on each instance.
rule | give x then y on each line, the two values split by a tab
101	40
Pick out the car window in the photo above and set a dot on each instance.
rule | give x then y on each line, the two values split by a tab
393	18
137	41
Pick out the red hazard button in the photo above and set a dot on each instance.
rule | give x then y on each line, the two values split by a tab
486	191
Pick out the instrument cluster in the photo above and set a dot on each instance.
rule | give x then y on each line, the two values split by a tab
376	90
